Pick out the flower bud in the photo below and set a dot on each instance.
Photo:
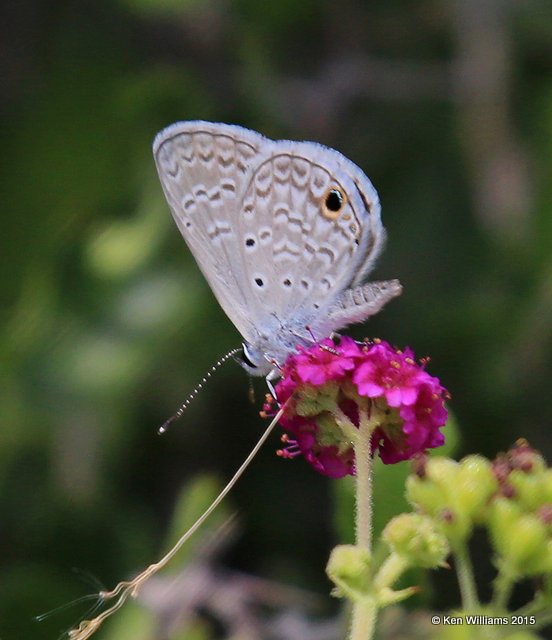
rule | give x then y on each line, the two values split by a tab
519	539
442	471
455	524
425	495
349	568
475	484
502	515
453	493
416	538
523	457
430	491
529	491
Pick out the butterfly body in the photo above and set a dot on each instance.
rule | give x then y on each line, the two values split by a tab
284	232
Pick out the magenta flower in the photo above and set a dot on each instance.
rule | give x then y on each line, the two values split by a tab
391	374
327	384
329	364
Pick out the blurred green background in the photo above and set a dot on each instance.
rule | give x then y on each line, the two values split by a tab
107	323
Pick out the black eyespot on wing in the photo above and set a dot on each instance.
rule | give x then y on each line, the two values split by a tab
334	200
259	282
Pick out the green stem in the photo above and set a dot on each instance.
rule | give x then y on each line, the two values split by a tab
364	619
390	571
504	583
348	429
363	463
364	609
464	571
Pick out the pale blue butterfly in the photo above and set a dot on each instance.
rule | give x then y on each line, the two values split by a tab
285	233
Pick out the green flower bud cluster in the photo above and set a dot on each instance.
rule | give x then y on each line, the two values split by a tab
511	496
349	569
413	540
522	541
454	494
416	539
520	516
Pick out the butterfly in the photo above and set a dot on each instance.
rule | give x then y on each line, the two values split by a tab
285	233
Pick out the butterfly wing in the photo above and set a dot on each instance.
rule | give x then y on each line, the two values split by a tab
204	169
284	232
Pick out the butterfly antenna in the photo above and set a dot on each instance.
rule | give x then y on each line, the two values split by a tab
198	388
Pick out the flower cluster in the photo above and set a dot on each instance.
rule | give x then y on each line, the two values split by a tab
329	387
520	515
511	496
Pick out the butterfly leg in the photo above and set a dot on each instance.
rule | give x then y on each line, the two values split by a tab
270	378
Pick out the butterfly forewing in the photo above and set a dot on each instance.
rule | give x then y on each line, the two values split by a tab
204	169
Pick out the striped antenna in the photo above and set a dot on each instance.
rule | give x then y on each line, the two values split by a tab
198	388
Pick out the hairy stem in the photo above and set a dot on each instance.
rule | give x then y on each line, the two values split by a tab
464	571
364	609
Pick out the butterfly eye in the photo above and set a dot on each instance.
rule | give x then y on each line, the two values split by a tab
247	358
333	202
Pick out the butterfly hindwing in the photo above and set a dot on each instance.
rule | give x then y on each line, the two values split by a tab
301	256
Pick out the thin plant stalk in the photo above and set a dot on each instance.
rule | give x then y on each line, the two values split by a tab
464	571
364	610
